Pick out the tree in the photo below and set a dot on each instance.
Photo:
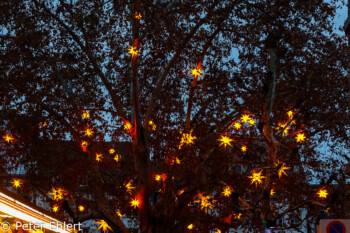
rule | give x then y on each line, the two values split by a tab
140	108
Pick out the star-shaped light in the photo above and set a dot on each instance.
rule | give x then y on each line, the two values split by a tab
138	15
322	193
133	51
245	118
272	192
218	231
55	208
103	225
256	177
111	151
129	187
119	214
81	208
154	127
197	72
43	124
117	157
158	177
190	227
225	141
84	144
227	191
237	125
284	127
99	157
290	114
187	139
135	203
251	122
86	114
300	137
205	202
244	148
57	194
282	169
88	132
16	183
127	126
237	216
8	138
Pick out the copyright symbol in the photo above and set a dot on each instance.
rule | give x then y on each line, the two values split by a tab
5	226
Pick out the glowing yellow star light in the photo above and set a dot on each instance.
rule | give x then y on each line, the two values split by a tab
244	148
88	132
187	139
237	125
85	114
16	183
135	203
43	124
55	208
205	202
251	122
8	138
158	177
129	187
256	177
218	231
138	15
237	216
282	169
290	114
127	126
322	193
190	227
154	127
117	157
197	72
227	191
245	118
81	208
300	137
133	51
103	225
84	144
56	194
272	192
119	214
284	127
99	157
225	141
111	151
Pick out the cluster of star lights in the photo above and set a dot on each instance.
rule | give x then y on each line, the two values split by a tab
187	139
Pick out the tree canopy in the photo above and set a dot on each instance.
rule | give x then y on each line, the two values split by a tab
181	115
